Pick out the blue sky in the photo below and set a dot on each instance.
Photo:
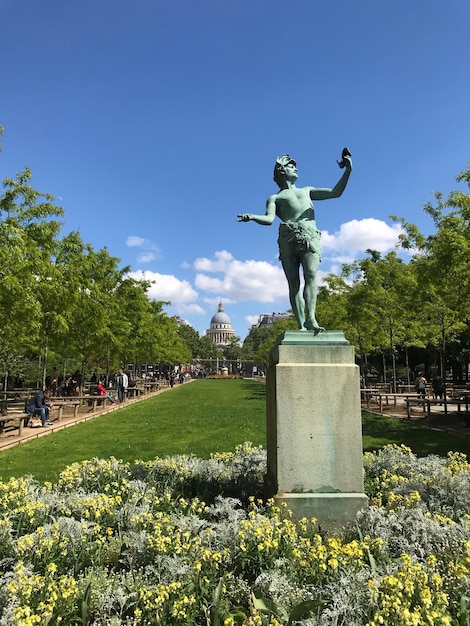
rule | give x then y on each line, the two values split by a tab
155	123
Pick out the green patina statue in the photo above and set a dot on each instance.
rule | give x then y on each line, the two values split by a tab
299	239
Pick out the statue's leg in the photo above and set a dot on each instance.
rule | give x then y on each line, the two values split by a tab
291	268
310	262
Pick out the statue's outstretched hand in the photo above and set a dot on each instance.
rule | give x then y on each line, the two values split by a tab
243	217
346	159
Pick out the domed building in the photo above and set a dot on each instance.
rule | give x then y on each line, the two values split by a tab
221	330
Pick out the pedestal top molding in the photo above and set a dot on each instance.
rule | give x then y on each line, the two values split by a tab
303	338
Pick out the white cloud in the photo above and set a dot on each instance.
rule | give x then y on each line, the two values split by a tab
146	257
167	287
222	262
150	249
134	241
357	236
191	309
259	281
214	302
252	319
208	283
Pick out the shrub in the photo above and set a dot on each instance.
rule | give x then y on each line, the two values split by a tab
180	541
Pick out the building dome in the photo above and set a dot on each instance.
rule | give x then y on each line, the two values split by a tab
221	330
220	317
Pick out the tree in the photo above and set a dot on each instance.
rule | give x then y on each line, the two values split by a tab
331	302
27	239
208	349
441	263
192	340
133	335
171	348
260	341
90	281
233	351
389	283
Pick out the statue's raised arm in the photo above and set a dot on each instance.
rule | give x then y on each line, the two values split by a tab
326	194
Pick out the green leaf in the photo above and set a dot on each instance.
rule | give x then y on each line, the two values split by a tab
305	609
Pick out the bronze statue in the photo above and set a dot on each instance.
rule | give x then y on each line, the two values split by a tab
299	239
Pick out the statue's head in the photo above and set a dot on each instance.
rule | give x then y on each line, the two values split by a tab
279	172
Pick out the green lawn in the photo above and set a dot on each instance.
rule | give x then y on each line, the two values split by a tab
200	418
379	431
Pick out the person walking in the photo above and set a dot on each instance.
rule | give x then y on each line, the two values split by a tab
122	384
438	386
421	383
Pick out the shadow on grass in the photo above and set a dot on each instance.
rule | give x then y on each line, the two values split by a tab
253	390
379	431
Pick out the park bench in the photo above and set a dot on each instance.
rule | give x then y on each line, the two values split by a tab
12	413
427	403
394	396
134	392
383	398
150	386
368	394
17	394
75	402
61	404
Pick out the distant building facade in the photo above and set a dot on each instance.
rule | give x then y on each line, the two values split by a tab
266	319
180	321
220	331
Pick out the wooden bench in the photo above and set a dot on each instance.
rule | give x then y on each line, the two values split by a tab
16	418
12	413
134	392
367	395
95	401
394	396
426	403
148	387
76	402
60	405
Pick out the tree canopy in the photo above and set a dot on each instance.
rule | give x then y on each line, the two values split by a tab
63	298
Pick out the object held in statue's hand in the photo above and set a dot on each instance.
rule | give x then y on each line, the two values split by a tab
344	154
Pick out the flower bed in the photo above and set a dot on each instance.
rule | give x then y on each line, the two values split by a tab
188	541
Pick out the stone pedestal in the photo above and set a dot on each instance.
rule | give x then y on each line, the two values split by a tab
314	431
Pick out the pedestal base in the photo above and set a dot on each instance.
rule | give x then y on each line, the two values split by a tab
314	428
331	510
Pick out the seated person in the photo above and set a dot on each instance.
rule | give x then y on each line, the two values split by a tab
131	382
38	405
103	393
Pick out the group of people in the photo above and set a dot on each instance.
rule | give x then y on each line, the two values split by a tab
64	385
123	381
173	377
40	404
437	384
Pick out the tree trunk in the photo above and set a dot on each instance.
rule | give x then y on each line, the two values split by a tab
46	353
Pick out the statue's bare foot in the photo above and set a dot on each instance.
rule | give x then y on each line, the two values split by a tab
313	325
